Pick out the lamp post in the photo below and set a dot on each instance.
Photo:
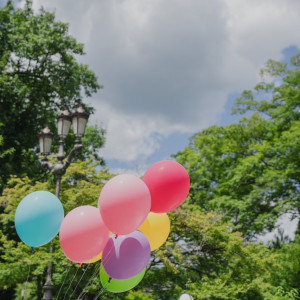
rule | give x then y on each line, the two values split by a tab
79	120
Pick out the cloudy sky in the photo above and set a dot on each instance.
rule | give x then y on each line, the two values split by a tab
173	67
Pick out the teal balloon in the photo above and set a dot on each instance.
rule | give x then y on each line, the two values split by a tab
119	286
38	218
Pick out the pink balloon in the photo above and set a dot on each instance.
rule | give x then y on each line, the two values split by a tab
169	185
124	203
83	234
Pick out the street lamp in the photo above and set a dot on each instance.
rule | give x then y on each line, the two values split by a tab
46	137
64	123
79	120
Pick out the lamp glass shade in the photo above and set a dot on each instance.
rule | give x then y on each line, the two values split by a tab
64	123
79	120
79	124
46	138
63	126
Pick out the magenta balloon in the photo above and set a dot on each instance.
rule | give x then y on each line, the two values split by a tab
169	185
126	256
124	203
83	234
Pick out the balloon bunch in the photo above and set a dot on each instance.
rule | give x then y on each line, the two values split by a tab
130	222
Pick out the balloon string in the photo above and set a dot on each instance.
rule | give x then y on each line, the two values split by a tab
82	294
64	281
24	291
71	283
101	291
79	281
108	256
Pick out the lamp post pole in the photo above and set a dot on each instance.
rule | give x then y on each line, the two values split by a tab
79	119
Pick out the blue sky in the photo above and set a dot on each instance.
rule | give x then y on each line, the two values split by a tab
172	68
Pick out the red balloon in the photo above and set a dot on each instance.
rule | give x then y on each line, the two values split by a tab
168	183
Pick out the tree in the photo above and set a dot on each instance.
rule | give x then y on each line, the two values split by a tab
201	256
92	142
6	153
288	258
250	170
205	259
39	74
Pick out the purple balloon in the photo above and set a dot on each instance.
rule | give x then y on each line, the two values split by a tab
126	256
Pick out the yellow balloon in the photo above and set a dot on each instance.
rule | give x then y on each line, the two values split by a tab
96	258
156	228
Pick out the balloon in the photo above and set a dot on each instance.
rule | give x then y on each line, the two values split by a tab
83	234
156	228
126	256
124	203
38	218
168	183
96	258
119	286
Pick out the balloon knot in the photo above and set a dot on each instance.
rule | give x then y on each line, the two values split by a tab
116	236
109	279
71	263
80	265
32	248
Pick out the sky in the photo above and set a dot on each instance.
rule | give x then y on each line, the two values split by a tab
171	68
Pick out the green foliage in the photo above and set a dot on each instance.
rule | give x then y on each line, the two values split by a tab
249	171
207	260
4	154
202	256
92	142
281	294
288	257
80	186
39	74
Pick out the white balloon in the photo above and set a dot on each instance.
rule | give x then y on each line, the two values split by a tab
185	297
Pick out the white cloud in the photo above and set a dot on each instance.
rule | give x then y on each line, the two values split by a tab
169	66
261	29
